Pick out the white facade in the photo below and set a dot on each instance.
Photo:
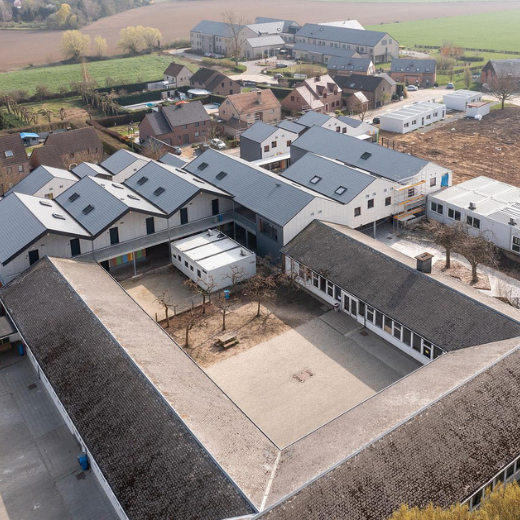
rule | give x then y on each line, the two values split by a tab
412	117
278	143
210	257
479	108
458	99
487	206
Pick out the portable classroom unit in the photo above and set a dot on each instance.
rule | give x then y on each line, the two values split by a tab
479	108
208	259
458	99
412	117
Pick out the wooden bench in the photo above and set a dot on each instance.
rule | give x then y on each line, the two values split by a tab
226	341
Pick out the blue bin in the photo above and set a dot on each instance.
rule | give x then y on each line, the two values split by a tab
21	349
83	461
226	294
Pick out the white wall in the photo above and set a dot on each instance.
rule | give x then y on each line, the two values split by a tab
456	102
412	121
54	187
281	137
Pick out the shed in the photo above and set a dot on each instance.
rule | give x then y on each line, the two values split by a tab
30	138
458	99
209	257
478	108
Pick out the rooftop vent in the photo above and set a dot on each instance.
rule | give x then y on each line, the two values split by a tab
133	197
45	203
221	175
58	216
74	197
424	263
366	155
512	222
142	180
88	209
243	253
118	186
210	233
158	191
203	166
472	206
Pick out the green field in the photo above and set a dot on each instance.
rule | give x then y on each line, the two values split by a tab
120	71
498	31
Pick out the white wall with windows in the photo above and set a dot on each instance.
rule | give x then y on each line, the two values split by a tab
412	117
367	315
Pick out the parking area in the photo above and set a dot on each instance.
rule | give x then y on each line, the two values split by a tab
40	477
303	378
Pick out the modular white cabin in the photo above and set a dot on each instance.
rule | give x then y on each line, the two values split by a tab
479	108
458	99
210	257
412	117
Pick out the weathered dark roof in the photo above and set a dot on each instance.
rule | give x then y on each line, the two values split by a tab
12	143
203	76
338	63
437	312
174	69
505	67
152	462
442	455
362	82
408	65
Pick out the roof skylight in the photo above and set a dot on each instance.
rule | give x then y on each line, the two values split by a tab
158	191
315	180
341	190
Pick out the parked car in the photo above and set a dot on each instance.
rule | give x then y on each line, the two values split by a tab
177	150
247	83
278	76
218	56
412	88
218	144
376	121
450	86
281	65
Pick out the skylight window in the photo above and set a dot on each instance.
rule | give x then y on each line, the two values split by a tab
315	180
203	166
58	216
88	209
142	180
74	197
341	190
8	153
158	191
45	203
366	155
221	175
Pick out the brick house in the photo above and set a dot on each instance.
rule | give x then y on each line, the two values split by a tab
248	107
214	82
320	94
68	149
501	69
177	75
14	163
414	72
348	66
377	89
176	125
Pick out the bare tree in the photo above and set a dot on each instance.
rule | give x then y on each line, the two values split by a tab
262	289
235	24
235	274
163	300
447	237
189	325
204	288
503	87
154	149
289	278
476	250
224	305
467	77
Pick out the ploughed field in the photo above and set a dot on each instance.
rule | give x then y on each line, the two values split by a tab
19	48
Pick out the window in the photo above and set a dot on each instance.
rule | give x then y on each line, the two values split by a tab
8	153
437	352
407	336
266	148
397	331
437	208
388	325
9	169
361	309
370	203
274	144
268	229
196	124
427	349
88	209
341	190
330	288
289	143
191	267
337	293
185	263
428	117
379	319
344	130
370	314
221	175
292	98
315	279
414	122
202	166
388	201
20	168
473	222
454	214
406	125
74	197
366	155
338	129
416	344
199	274
315	180
357	212
411	192
515	246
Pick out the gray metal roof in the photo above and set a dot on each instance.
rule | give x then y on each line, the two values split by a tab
252	187
266	41
259	132
350	121
120	160
321	49
312	118
505	67
213	28
408	65
333	177
290	126
89	169
172	160
38	178
353	64
382	161
35	217
341	34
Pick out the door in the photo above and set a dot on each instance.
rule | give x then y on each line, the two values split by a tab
186	138
75	248
184	216
214	207
34	256
350	305
150	226
114	236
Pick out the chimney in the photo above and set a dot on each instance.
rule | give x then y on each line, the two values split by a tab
424	263
259	97
317	78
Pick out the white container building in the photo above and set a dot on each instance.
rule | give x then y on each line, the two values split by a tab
210	257
478	108
412	117
458	99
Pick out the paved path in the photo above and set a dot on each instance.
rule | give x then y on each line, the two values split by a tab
40	478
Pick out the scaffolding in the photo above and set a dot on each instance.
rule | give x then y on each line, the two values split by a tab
409	200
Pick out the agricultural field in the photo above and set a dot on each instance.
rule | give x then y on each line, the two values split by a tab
496	30
118	71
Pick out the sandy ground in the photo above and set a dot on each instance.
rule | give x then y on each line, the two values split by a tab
301	379
175	19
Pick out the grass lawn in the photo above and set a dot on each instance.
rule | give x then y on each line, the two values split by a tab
120	70
480	31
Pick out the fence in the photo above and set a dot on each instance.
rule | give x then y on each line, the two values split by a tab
436	47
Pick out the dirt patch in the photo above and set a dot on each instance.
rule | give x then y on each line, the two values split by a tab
463	273
286	313
175	19
471	148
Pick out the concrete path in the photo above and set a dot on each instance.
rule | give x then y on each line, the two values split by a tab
40	478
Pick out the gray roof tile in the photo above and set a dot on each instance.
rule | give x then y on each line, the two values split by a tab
406	64
259	132
340	34
320	49
38	178
338	63
121	160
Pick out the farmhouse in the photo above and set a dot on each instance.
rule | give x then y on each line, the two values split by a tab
214	82
249	107
501	69
458	99
412	117
348	66
320	94
414	72
263	46
14	163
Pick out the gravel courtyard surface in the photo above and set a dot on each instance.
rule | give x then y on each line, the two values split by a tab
301	379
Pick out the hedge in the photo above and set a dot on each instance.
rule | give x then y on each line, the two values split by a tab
130	87
279	92
124	119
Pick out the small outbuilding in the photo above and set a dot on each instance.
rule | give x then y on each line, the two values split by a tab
209	258
479	108
458	99
412	117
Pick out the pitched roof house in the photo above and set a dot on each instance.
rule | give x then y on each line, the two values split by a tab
67	149
501	69
14	163
214	82
414	72
377	89
177	75
248	107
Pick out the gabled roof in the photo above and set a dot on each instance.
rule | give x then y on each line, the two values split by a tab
172	160
255	100
174	69
265	194
359	82
121	160
505	67
167	187
184	113
338	63
417	66
39	177
341	34
114	406
381	161
90	169
272	28
204	76
327	51
266	41
336	181
290	126
350	121
312	118
35	217
259	132
12	150
286	25
214	28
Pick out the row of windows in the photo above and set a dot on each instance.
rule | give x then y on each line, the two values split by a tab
454	214
274	144
370	205
178	258
357	307
10	169
268	229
